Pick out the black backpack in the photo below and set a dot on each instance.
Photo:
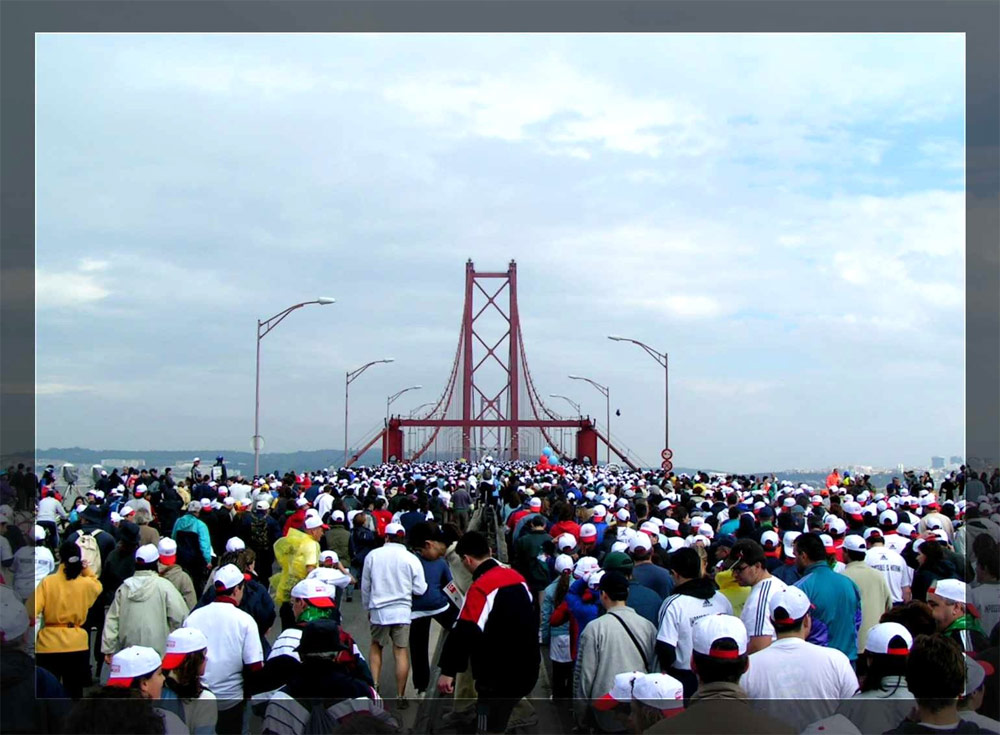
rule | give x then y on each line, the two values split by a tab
258	532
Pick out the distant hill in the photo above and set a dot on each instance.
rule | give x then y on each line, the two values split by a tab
235	460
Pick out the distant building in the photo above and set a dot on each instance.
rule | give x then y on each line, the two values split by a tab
937	463
955	459
120	463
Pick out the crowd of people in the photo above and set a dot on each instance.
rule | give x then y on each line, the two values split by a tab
645	601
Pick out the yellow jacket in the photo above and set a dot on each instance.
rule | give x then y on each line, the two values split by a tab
61	602
295	552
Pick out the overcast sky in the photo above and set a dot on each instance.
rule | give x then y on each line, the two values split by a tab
783	214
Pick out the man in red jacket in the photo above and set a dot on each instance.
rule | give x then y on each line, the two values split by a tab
497	632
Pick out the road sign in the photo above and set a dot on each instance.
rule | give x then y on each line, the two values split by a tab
667	465
667	454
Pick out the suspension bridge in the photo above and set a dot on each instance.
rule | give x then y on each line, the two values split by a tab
490	405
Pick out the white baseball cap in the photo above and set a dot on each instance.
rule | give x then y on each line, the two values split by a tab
640	542
620	693
38	532
337	515
711	629
588	532
975	674
126	511
855	543
881	636
131	662
623	515
788	541
660	691
535	503
671	524
263	505
600	511
182	642
585	566
788	605
13	616
329	556
563	563
229	576
314	590
950	589
147	554
395	529
301	502
167	549
235	544
594	580
565	541
314	521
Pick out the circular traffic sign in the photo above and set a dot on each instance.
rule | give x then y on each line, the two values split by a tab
667	465
667	454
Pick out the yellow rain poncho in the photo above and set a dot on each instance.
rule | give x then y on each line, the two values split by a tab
295	552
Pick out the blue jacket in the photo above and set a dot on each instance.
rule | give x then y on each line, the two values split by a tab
581	610
601	528
645	602
438	574
838	605
193	524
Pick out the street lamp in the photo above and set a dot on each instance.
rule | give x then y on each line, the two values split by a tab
574	404
606	392
391	399
350	376
422	405
661	358
263	327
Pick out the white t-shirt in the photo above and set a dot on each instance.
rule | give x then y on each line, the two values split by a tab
896	542
324	502
233	642
791	668
50	509
756	615
986	598
391	577
895	570
677	617
31	565
816	678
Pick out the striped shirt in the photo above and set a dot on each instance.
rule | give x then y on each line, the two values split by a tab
756	615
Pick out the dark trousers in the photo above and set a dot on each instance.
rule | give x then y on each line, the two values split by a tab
230	720
493	713
420	631
286	615
72	669
462	519
95	621
51	534
562	679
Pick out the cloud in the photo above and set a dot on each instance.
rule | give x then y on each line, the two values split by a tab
67	289
552	103
54	389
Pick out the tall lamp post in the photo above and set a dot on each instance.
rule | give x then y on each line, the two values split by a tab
661	358
606	392
392	399
350	377
263	328
570	401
